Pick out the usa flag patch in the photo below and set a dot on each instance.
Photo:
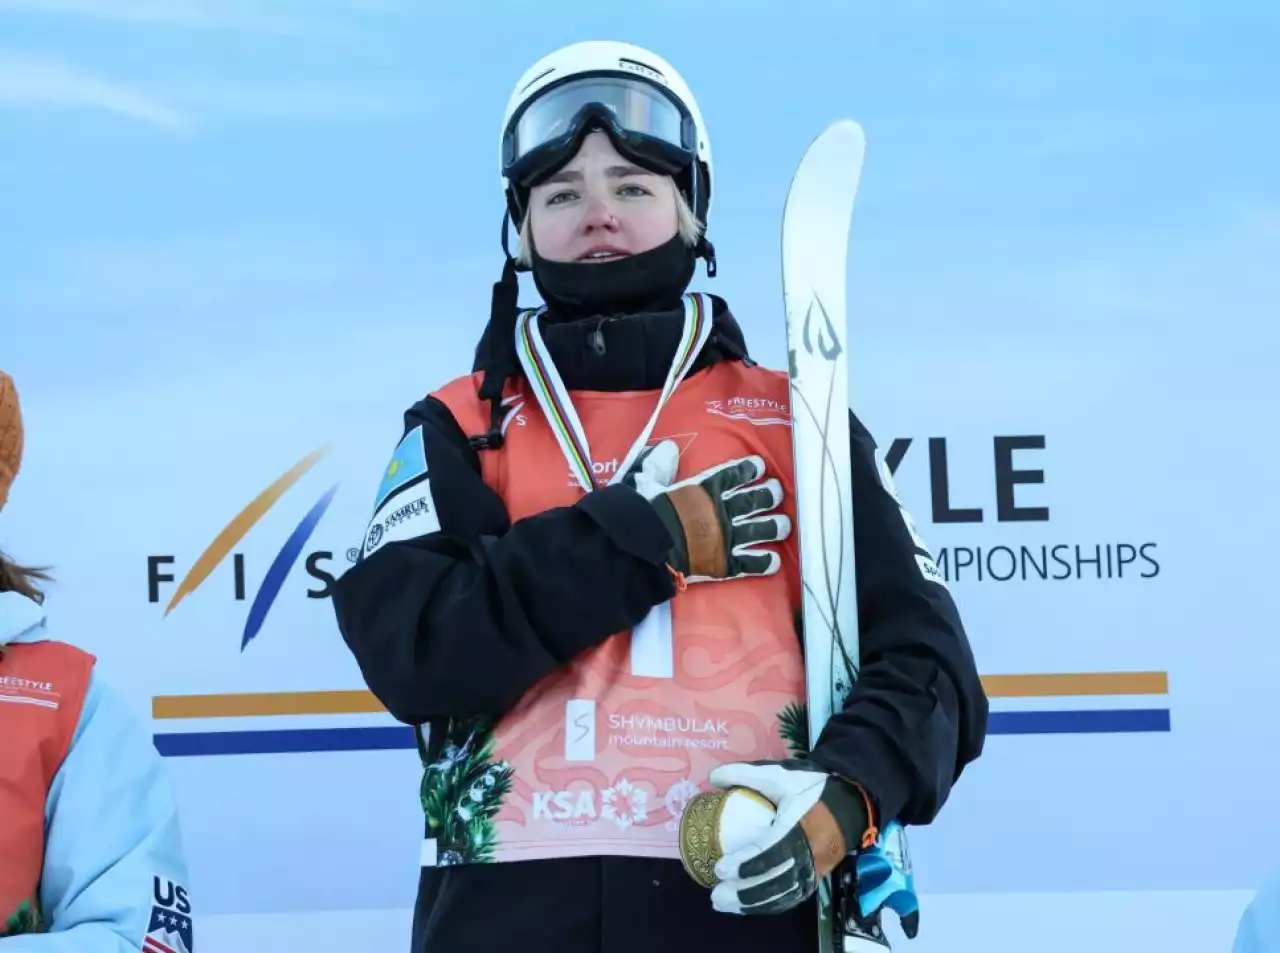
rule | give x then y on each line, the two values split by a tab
170	929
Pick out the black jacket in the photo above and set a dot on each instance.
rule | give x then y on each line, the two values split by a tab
463	621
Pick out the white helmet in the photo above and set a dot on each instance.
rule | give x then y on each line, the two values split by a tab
636	96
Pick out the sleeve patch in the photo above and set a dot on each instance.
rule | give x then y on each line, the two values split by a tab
408	463
886	477
170	929
407	515
924	556
929	569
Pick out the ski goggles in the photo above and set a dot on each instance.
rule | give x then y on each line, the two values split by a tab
646	125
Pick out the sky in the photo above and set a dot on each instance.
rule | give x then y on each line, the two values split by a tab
236	230
188	181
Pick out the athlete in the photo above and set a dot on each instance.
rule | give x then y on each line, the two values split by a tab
580	579
91	856
1259	928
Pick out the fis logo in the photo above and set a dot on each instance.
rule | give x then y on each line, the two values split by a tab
225	542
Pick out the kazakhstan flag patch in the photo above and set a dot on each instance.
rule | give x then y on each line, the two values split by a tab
408	463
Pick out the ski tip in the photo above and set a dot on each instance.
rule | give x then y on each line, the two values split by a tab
845	126
849	123
844	138
911	924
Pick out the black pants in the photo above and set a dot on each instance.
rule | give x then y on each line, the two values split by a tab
591	905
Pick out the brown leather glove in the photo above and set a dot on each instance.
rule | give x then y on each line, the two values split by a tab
721	519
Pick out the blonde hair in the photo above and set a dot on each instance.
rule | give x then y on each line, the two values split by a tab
687	226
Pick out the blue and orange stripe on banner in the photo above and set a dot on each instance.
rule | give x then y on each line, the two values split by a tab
1060	687
1079	720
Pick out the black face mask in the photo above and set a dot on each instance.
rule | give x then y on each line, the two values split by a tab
649	281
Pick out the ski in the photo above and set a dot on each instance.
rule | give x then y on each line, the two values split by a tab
815	243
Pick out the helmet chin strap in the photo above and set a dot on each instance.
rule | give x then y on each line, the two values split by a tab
706	251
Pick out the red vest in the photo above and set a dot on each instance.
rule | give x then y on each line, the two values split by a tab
42	690
601	756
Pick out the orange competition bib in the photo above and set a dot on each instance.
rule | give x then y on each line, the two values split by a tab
601	756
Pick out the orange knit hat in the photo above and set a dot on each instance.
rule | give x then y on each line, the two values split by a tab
10	435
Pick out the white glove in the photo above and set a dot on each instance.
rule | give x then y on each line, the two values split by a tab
820	820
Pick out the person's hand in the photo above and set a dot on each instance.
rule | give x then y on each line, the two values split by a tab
820	819
654	469
720	520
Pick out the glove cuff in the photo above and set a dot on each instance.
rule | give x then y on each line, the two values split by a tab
701	530
851	806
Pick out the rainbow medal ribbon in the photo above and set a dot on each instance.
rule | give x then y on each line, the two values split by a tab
554	400
652	642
